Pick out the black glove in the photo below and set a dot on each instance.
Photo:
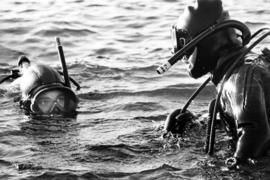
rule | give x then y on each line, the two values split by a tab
176	121
237	163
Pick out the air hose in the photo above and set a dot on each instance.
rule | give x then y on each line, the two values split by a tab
195	94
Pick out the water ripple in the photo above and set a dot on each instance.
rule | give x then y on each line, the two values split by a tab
112	49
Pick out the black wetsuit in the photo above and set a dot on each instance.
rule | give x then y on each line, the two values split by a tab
246	99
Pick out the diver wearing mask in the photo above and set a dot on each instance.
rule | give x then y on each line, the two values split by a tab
208	43
43	91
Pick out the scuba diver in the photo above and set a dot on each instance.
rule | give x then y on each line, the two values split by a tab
43	90
208	41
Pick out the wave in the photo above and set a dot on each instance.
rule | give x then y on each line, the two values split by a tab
127	150
164	171
107	50
15	30
9	55
64	175
151	118
252	23
66	32
145	106
2	92
147	72
113	49
116	153
5	163
95	5
175	91
260	11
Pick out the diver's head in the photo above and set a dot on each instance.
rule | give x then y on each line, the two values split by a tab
195	19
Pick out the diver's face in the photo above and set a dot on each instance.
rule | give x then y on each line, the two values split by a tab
51	102
54	102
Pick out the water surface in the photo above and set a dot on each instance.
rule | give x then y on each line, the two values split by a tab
112	49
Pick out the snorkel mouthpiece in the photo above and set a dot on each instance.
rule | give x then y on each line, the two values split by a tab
163	68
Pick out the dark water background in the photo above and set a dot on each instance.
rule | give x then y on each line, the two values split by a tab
112	49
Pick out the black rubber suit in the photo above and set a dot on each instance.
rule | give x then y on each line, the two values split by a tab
245	98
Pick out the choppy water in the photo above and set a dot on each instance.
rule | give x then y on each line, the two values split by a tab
112	49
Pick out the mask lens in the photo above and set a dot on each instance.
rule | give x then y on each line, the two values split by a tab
174	39
44	104
54	102
179	38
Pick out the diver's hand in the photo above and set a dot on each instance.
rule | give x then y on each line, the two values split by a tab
237	163
176	121
232	162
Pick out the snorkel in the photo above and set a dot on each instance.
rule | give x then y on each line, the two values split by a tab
64	66
63	61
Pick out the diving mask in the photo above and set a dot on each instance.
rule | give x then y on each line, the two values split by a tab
180	38
54	100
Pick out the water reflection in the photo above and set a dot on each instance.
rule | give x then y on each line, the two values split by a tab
52	141
42	126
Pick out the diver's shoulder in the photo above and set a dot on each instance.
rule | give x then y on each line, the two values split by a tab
253	69
254	63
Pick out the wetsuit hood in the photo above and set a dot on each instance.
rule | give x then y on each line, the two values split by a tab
196	19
